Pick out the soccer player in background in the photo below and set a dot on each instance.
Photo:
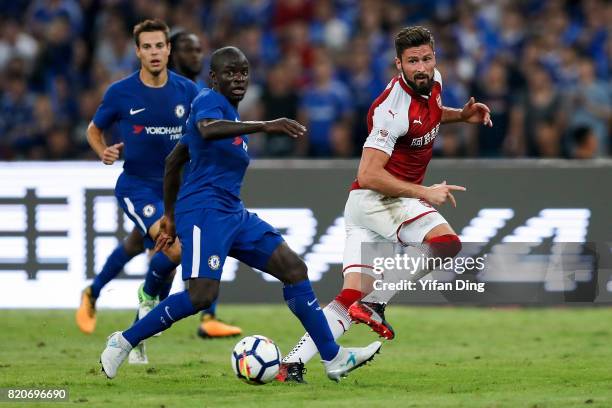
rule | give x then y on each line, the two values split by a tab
151	107
186	60
387	202
212	223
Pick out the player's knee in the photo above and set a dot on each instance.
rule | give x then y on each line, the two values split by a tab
444	246
297	271
133	246
174	253
203	292
201	301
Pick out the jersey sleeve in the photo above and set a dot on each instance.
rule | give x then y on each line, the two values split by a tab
387	127
108	111
207	106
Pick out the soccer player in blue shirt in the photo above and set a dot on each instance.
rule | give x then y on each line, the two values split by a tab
151	107
186	59
212	223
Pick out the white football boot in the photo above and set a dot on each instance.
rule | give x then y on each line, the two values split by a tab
115	353
350	358
138	355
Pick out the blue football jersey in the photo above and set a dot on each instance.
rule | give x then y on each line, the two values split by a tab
151	120
217	167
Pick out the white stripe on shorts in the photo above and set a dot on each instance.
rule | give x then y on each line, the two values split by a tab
195	259
132	210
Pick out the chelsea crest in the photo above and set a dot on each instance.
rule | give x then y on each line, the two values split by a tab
179	111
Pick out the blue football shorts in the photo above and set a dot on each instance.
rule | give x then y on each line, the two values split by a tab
142	200
208	236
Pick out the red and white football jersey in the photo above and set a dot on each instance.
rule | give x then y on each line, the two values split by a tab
404	124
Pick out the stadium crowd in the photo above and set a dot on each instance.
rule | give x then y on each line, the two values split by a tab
543	67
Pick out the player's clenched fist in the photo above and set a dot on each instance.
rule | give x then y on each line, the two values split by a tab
111	153
287	126
439	193
167	234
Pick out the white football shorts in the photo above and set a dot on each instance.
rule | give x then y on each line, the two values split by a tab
371	217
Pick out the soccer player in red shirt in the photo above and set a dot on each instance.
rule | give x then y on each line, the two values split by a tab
387	202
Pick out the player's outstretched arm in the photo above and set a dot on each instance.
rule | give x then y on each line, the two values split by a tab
95	138
222	129
472	112
172	182
373	176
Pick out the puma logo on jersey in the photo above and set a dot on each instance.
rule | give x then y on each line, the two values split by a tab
392	113
417	121
135	111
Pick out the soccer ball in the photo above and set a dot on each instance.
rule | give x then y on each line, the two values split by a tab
256	359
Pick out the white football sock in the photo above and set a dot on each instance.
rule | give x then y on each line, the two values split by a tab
398	275
339	321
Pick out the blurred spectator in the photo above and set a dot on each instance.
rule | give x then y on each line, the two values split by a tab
493	90
365	86
590	104
325	111
16	115
14	43
59	145
44	120
584	144
289	11
326	28
537	117
279	99
44	12
115	48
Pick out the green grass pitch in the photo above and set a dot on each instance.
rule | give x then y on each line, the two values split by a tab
441	357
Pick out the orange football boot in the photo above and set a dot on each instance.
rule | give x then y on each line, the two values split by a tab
211	327
86	313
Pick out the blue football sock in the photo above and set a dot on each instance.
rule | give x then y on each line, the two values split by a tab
173	309
113	265
302	301
211	310
165	290
160	267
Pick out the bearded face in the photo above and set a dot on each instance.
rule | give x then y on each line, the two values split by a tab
417	65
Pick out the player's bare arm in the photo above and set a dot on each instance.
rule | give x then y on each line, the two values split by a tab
95	138
472	112
172	182
373	176
222	129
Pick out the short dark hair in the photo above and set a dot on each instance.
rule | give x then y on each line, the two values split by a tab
412	37
178	36
149	26
218	57
581	134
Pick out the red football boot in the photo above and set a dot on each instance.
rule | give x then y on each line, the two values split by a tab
372	314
